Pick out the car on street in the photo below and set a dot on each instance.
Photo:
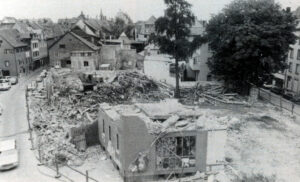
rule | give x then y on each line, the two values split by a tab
13	79
5	84
9	157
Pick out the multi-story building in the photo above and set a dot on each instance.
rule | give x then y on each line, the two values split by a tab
38	45
73	51
14	54
292	74
143	29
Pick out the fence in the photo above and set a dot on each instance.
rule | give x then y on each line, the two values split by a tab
278	101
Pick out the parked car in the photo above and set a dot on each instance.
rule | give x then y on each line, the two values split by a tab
5	84
13	79
9	157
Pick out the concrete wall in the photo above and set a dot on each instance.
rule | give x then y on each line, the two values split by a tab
57	54
118	58
110	145
108	54
200	67
77	61
126	59
158	68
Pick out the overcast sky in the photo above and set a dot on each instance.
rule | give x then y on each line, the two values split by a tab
137	9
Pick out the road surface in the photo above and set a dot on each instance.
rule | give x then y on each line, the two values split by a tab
13	124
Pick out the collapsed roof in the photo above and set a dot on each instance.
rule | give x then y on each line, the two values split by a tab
169	116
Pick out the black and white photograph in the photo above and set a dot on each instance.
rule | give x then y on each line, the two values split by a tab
149	91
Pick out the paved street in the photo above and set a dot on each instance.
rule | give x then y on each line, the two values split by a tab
13	123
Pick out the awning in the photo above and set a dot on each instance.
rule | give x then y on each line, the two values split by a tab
279	76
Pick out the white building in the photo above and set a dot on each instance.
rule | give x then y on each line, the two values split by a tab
292	76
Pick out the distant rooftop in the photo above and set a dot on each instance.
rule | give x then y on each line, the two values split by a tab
12	37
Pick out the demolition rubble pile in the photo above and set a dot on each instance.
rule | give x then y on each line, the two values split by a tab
130	87
52	124
212	94
69	106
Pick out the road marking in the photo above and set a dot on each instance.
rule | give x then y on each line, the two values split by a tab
15	134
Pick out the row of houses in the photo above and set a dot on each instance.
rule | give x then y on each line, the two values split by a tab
85	47
84	44
24	45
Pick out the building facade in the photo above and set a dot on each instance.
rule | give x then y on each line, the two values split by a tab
143	29
73	48
39	49
14	54
292	74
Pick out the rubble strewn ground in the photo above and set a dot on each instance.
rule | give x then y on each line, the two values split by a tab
70	107
262	140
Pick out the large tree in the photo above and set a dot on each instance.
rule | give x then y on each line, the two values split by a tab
249	41
173	34
122	23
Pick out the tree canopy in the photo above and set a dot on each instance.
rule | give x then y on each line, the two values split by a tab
249	40
173	33
120	24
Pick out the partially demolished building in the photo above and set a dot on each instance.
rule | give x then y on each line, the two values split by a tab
149	140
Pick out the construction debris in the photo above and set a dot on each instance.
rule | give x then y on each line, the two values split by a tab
213	94
69	107
129	87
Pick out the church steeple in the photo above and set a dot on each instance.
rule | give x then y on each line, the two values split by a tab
101	15
82	16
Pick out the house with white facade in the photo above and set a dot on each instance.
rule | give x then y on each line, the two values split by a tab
292	74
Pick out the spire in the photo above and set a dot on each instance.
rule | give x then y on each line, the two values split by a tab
81	16
101	14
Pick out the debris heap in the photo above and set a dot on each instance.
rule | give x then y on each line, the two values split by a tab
128	87
69	106
211	94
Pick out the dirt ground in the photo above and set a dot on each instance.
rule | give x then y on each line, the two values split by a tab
264	141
